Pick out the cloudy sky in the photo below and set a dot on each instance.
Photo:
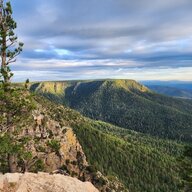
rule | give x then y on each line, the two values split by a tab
91	39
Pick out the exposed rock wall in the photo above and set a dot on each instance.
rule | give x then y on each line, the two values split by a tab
56	146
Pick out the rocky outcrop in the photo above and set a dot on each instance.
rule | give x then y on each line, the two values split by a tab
43	182
52	147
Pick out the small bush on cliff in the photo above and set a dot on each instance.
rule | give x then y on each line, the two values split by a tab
54	145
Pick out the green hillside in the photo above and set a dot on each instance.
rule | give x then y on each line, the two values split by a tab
124	103
142	163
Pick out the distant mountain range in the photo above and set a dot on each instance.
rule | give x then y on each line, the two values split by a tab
186	85
124	103
172	91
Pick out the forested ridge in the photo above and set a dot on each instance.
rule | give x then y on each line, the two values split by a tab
124	103
142	145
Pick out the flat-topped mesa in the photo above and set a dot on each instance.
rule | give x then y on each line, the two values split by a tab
126	103
59	87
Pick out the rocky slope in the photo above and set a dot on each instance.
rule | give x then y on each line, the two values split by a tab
52	146
43	182
47	143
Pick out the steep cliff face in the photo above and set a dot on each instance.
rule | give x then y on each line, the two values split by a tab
52	146
43	182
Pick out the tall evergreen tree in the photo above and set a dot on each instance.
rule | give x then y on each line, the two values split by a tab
8	51
14	102
9	46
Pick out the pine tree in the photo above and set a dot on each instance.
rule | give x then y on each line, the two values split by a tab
9	46
14	102
26	83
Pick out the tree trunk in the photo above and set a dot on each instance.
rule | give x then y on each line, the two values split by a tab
12	160
12	163
4	58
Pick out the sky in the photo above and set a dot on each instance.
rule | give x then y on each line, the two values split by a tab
97	39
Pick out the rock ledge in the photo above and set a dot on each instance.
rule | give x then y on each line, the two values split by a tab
43	182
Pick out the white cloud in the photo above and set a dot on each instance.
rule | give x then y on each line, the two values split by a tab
116	38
